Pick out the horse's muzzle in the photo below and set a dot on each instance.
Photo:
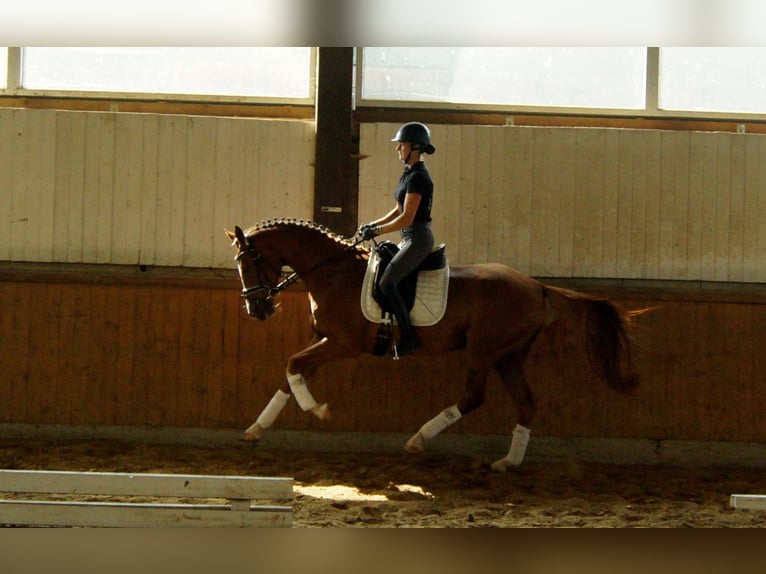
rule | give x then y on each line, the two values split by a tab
259	303
261	309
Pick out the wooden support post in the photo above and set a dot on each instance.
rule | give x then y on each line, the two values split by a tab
336	188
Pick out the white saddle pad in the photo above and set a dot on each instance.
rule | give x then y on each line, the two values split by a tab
430	297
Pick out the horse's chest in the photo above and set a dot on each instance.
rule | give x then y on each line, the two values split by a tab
313	306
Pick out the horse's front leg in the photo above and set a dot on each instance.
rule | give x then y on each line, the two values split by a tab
299	367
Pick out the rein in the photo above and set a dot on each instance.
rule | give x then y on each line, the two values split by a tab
290	279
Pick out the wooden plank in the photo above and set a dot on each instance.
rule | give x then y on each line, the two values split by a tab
680	206
92	187
171	381
735	249
748	501
610	192
465	190
450	195
480	190
214	407
626	151
124	385
473	175
753	261
158	357
665	220
652	206
588	210
105	180
42	185
171	190
11	373
720	229
521	203
74	172
186	402
21	199
548	215
228	167
694	208
97	515
42	349
126	199
228	381
497	232
300	196
148	190
147	484
19	343
759	179
709	198
198	206
7	159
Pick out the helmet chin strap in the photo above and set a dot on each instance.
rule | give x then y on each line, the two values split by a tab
409	154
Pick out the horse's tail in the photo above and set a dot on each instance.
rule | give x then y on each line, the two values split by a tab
607	341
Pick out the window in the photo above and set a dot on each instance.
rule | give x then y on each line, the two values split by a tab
252	72
539	77
3	68
713	79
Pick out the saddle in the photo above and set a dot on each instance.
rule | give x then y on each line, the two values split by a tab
424	291
386	250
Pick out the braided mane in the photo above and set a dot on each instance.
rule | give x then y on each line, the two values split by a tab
302	223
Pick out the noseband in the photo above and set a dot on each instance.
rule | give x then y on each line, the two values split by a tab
264	291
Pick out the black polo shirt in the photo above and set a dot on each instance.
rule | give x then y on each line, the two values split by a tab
416	179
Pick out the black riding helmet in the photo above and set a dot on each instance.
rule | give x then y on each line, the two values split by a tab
417	134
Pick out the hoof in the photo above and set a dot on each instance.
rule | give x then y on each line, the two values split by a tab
415	445
253	434
503	465
322	412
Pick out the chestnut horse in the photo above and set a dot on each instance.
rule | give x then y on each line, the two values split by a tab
493	312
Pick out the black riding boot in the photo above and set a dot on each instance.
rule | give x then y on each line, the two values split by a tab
408	342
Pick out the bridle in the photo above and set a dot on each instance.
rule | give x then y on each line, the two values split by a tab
262	294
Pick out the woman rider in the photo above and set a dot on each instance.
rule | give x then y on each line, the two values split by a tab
412	217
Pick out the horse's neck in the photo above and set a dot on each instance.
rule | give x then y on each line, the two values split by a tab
315	257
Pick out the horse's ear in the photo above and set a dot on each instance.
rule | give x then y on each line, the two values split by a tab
230	234
240	235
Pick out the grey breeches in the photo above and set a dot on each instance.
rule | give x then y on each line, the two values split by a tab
417	242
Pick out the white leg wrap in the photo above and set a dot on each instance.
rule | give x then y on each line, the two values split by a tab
275	406
518	446
440	422
302	394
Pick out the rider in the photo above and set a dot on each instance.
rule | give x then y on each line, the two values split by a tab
412	217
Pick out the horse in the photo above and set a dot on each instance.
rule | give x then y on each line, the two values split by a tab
494	313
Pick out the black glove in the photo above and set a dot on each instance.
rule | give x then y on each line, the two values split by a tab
368	230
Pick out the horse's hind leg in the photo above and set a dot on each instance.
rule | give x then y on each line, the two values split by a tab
511	370
472	398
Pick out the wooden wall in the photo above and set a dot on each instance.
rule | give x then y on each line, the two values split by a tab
589	202
119	303
150	349
144	189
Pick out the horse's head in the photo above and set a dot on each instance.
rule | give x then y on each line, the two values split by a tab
258	275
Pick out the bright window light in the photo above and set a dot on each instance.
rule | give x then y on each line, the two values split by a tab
248	72
3	68
557	77
713	79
